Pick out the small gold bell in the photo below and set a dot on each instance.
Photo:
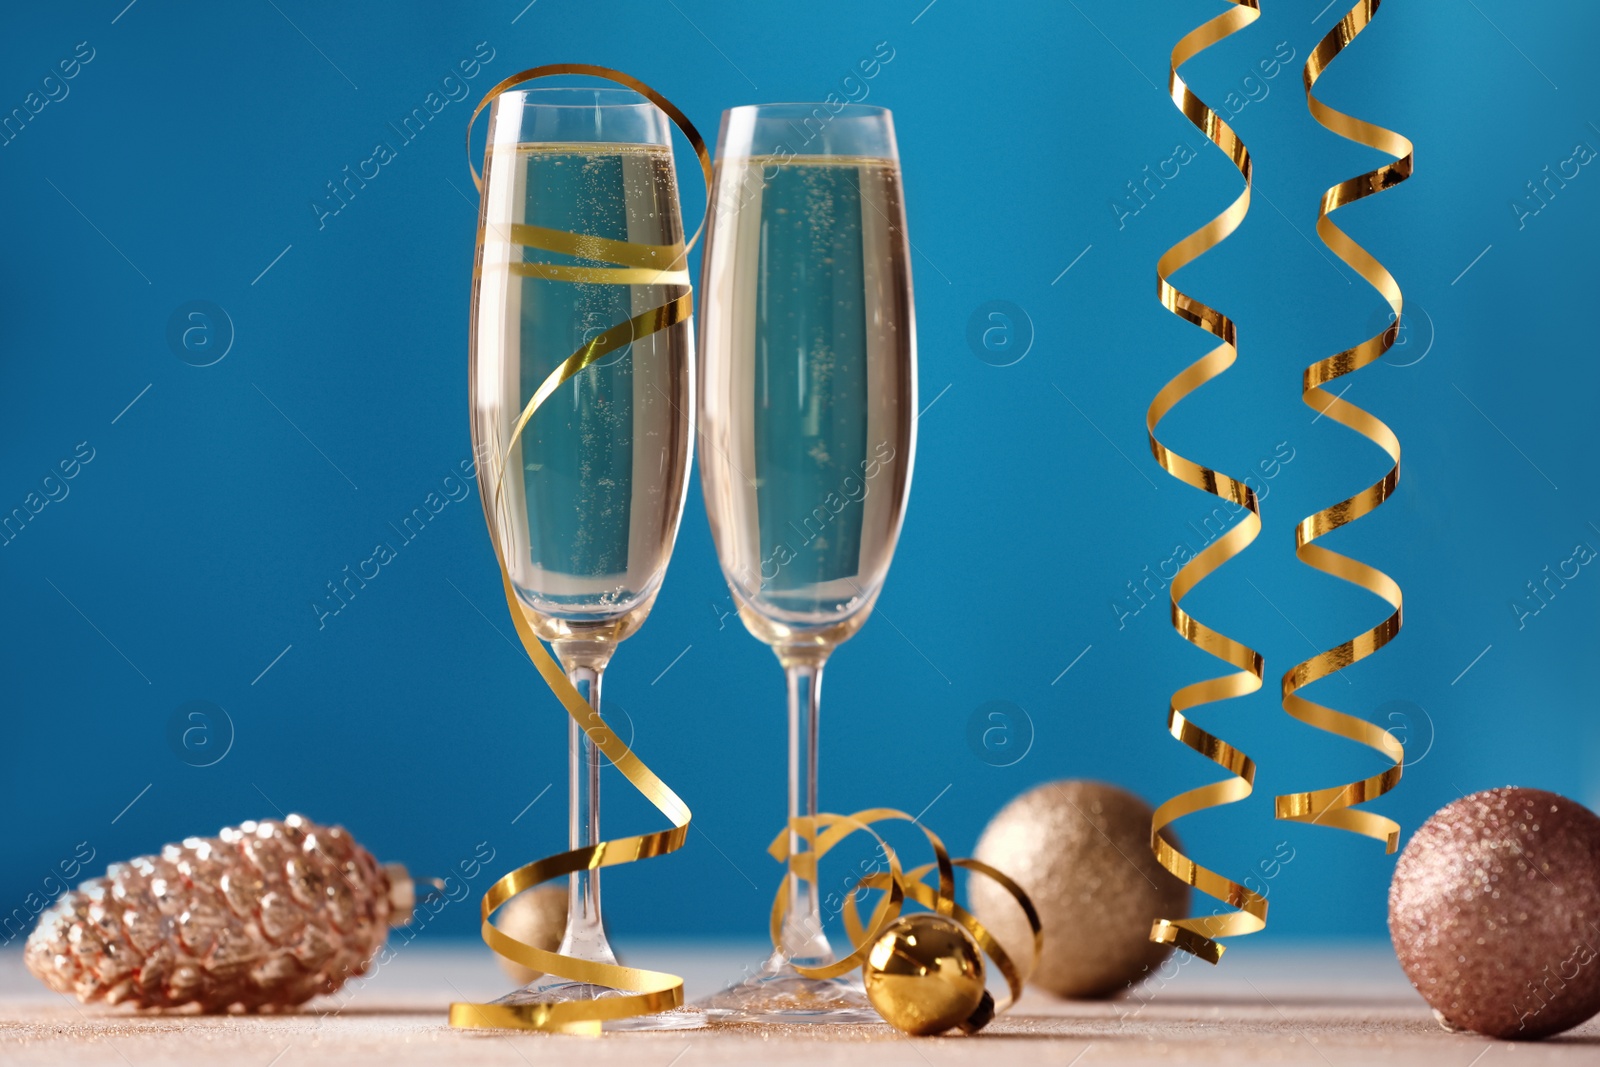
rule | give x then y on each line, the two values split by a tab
924	975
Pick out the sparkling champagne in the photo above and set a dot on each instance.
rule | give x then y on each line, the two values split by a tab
808	402
588	505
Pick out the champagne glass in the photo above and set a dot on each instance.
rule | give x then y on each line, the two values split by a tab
807	432
586	502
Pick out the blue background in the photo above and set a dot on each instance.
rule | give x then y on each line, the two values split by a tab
182	564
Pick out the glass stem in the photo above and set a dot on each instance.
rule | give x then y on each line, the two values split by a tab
803	939
585	936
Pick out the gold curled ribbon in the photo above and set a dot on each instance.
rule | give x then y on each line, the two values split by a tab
650	991
824	831
1332	807
640	264
1198	935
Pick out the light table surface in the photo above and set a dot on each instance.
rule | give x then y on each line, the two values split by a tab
1326	1007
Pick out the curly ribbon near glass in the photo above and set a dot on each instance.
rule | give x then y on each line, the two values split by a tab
1333	806
1198	935
649	991
826	830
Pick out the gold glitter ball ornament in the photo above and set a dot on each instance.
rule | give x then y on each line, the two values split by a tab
536	917
924	975
265	915
1495	913
1081	850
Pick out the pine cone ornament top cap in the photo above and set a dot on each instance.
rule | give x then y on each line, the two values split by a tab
264	915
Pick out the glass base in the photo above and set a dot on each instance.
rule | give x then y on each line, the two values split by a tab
549	990
780	994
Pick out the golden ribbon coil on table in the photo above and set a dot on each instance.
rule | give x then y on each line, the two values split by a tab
1198	935
651	991
1332	807
824	831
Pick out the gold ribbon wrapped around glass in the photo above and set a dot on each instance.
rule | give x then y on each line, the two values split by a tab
648	991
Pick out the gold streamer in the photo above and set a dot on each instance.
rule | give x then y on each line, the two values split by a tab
824	831
1198	935
642	264
1332	807
651	991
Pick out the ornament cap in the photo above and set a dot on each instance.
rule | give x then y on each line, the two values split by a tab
402	893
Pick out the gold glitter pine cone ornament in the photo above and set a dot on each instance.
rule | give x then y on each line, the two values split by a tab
265	915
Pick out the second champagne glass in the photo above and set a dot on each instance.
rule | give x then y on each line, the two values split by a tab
586	501
807	433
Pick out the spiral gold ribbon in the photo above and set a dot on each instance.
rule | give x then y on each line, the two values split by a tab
1332	807
1198	935
824	831
649	991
